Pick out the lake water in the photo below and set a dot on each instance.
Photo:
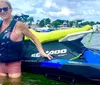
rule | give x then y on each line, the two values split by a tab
32	79
29	79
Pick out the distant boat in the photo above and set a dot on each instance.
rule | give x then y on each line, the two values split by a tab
42	29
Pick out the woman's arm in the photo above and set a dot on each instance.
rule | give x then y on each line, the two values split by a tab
25	30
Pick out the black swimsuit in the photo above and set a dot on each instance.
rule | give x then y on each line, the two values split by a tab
10	51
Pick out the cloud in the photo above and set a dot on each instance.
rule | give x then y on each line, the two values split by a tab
58	9
47	4
64	11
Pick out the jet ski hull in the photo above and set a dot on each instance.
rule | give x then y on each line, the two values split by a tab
61	67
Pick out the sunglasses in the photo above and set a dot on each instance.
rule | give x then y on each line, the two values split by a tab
5	9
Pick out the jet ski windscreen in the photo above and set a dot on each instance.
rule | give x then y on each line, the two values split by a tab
94	42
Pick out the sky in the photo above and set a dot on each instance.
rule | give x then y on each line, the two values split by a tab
89	10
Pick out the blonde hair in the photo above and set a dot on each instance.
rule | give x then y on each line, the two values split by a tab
7	2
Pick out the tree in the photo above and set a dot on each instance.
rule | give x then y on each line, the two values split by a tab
47	21
24	18
41	24
44	22
30	20
56	23
37	22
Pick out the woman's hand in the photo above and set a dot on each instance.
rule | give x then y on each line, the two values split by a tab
46	55
24	29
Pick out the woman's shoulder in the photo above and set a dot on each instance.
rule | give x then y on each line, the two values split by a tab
21	24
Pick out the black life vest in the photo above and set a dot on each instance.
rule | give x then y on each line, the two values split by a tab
10	51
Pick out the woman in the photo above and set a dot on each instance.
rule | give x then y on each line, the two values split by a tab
11	37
